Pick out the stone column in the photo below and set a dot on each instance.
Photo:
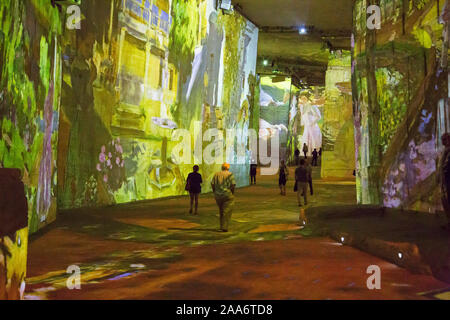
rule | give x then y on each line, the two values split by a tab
13	235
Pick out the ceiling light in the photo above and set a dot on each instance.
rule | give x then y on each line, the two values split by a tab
225	4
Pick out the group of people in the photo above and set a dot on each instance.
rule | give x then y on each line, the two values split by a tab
315	155
303	180
223	184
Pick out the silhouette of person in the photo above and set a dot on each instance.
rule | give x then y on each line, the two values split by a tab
301	181
223	186
315	155
283	173
194	186
253	168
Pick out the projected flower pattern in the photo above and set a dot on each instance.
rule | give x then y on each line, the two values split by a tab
111	164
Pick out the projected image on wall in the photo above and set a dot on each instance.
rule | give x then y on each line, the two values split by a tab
310	118
305	120
111	96
408	143
274	110
172	72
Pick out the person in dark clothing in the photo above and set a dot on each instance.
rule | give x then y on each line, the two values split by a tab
301	180
282	179
193	185
305	150
297	157
315	155
253	168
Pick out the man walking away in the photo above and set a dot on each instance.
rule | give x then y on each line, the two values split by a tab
253	173
301	179
223	185
315	155
305	150
194	186
444	176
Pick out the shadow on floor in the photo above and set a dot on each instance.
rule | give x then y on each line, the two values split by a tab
411	239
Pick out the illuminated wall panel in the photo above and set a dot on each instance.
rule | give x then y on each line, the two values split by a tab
400	99
274	101
338	157
150	68
88	115
306	120
30	90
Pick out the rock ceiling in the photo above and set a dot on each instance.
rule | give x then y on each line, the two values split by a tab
305	57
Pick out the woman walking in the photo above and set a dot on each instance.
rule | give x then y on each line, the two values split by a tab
283	173
193	185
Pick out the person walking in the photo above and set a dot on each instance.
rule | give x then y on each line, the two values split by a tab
297	157
223	185
315	155
301	181
309	169
283	173
194	187
305	150
444	177
253	171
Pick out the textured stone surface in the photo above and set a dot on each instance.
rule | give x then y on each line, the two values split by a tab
138	260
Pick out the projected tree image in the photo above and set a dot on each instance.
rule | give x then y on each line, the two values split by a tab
399	89
111	94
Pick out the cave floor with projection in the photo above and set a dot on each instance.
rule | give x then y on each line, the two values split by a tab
156	250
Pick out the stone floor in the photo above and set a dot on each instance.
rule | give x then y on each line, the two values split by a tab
156	250
414	240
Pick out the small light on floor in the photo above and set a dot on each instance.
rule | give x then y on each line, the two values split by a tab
342	239
304	223
302	30
400	255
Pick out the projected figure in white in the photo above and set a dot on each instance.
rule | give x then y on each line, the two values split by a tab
310	115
